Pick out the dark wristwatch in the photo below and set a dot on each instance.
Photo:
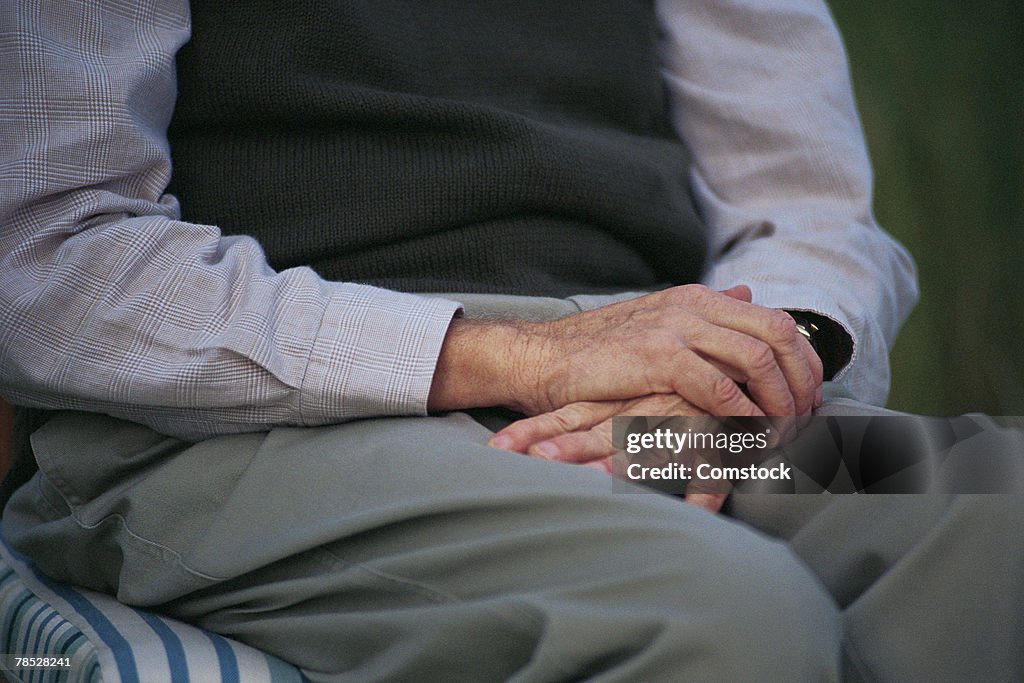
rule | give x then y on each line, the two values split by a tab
810	331
832	344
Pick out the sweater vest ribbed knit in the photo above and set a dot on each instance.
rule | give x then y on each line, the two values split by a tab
467	146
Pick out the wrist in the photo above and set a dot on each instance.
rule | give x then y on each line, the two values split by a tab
487	363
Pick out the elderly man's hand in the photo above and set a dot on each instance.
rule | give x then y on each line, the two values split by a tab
581	433
715	351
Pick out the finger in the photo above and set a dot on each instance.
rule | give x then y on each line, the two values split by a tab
814	362
816	366
785	429
709	501
709	389
777	329
577	447
522	434
661	405
746	360
599	465
774	327
598	442
709	371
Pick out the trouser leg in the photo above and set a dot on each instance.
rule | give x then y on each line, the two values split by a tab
931	586
404	549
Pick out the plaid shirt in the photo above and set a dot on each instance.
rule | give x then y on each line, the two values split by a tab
110	302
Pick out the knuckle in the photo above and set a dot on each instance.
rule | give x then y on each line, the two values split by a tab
672	294
726	394
761	359
580	446
694	292
790	407
564	420
574	417
817	368
801	402
598	445
780	327
662	343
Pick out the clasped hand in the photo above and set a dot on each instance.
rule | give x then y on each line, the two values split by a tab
687	350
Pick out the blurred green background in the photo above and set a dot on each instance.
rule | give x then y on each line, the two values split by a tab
940	87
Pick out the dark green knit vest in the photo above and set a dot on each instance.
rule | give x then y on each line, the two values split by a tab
467	145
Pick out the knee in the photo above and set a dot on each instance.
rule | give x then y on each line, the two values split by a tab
734	603
782	620
762	616
708	599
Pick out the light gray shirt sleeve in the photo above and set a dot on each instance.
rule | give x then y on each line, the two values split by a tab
762	97
111	303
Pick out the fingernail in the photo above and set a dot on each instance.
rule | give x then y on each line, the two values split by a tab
547	449
819	397
501	441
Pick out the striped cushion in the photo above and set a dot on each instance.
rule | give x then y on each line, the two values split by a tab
111	643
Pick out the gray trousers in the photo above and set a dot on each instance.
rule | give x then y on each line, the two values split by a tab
405	549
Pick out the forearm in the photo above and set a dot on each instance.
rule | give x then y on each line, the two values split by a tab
199	337
111	303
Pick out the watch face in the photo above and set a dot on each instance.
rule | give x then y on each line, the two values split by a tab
805	327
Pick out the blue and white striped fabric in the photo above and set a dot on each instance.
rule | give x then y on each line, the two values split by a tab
108	642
